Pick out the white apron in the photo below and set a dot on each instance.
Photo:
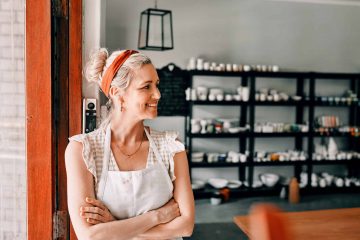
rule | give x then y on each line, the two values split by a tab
131	193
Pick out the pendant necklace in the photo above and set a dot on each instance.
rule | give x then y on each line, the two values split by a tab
132	154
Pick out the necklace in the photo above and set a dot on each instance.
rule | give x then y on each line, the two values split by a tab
130	155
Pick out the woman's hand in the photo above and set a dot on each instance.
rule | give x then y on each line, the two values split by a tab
97	213
168	212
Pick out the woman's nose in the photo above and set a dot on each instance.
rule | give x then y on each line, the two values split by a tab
157	94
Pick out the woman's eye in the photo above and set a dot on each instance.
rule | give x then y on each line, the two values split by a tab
147	87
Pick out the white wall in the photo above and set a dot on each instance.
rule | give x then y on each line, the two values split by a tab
294	35
13	185
299	36
93	37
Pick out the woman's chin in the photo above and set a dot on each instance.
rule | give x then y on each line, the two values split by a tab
152	115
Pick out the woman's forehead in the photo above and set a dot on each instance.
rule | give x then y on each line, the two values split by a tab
147	73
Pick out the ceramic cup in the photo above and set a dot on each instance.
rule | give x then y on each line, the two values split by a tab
215	200
275	68
192	64
212	97
220	97
237	97
229	67
202	92
206	66
193	95
228	97
235	67
188	94
200	64
245	94
246	68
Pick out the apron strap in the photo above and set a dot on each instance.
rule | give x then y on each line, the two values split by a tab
106	159
105	166
155	149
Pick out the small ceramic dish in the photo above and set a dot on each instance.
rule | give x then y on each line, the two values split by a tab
296	98
234	129
196	160
234	184
197	154
218	182
197	184
269	179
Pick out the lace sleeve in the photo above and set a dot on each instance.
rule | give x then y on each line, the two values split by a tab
86	153
174	146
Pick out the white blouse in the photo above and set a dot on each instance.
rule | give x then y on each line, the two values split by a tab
93	151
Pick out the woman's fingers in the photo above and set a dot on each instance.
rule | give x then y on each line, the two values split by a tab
92	221
93	216
95	202
96	210
100	214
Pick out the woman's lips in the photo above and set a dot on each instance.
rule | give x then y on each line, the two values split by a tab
151	104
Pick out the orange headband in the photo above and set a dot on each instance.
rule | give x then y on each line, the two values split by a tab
113	69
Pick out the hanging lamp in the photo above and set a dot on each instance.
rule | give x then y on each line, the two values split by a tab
155	31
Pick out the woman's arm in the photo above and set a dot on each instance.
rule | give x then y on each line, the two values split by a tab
80	185
183	195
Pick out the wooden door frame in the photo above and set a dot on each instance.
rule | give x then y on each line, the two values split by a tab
75	78
42	142
39	129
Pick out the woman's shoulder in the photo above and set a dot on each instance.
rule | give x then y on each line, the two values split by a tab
90	150
92	137
168	139
165	135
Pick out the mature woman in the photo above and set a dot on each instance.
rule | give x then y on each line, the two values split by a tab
125	180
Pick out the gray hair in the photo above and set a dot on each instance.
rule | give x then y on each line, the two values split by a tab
100	61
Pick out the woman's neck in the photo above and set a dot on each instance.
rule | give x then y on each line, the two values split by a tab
126	131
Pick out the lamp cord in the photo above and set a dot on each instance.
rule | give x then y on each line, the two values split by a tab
155	3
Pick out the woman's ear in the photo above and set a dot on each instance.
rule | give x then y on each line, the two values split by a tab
116	94
114	91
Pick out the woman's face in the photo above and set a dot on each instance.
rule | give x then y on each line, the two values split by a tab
142	96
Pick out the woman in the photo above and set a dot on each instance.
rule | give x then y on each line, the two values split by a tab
125	180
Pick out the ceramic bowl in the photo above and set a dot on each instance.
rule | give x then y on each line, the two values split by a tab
197	154
269	179
234	184
197	184
234	129
218	182
296	98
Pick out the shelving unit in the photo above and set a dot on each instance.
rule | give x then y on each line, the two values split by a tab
247	139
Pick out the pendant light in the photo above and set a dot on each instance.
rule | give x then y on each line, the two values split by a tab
155	31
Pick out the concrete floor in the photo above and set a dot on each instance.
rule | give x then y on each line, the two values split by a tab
216	222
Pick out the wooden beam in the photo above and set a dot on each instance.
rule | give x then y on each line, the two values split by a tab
75	73
39	128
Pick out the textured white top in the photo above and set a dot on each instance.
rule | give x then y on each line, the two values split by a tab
93	151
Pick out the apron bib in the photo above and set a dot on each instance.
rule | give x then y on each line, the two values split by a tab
131	193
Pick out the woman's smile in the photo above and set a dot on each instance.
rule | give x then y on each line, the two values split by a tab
151	105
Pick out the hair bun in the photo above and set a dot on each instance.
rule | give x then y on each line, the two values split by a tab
95	66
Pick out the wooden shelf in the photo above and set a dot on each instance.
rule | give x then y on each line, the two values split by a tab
335	162
215	164
248	116
278	163
282	103
219	135
295	75
281	134
220	103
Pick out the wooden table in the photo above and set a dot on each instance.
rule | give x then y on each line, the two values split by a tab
321	224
